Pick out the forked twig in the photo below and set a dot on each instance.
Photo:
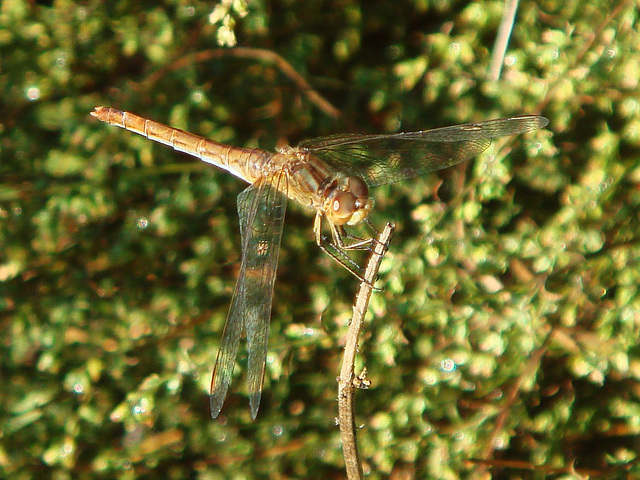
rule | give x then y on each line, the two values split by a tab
347	380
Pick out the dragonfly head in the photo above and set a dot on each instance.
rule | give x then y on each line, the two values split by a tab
348	203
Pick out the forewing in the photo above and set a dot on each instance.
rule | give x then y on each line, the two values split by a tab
261	210
381	159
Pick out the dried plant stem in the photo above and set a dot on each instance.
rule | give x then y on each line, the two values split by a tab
266	56
347	380
502	39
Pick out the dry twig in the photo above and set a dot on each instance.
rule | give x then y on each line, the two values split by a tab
502	39
347	380
263	55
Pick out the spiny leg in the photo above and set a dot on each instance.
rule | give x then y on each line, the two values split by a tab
338	249
339	233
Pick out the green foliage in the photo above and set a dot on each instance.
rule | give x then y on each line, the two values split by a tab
508	329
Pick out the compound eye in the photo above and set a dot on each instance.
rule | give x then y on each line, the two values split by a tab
343	206
358	187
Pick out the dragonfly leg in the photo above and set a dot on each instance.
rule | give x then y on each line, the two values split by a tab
339	235
338	250
355	243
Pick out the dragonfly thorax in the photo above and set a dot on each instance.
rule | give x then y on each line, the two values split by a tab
347	201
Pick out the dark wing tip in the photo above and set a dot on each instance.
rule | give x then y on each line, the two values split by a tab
533	122
543	122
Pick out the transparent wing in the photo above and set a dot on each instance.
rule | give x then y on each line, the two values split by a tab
261	209
381	159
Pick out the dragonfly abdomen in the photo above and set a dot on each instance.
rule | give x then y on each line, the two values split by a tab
246	163
249	164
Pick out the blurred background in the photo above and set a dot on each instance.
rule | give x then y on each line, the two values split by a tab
505	342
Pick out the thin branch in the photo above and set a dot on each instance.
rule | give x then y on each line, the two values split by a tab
255	54
502	39
531	368
348	380
570	470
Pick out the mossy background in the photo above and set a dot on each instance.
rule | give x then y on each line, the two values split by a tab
508	328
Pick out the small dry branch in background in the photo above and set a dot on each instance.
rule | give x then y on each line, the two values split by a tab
502	39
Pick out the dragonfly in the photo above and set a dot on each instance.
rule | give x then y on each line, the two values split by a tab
329	174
